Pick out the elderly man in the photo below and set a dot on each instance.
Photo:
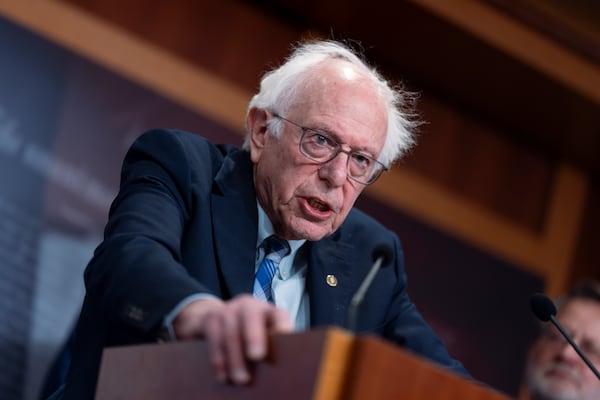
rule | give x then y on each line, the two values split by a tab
230	245
554	369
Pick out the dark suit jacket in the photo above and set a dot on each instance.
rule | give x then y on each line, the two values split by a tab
185	221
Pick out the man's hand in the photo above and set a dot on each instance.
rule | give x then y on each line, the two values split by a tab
236	331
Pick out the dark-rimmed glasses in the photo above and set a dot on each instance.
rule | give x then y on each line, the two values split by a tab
319	147
552	338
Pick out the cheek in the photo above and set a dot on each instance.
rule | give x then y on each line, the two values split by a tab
541	355
290	179
285	188
351	193
281	167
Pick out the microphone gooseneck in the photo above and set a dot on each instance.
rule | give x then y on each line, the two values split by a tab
382	255
545	310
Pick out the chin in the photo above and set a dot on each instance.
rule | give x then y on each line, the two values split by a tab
309	231
557	390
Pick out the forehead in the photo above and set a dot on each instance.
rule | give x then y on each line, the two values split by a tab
583	315
338	81
338	96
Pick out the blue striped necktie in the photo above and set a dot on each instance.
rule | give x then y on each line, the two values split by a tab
275	250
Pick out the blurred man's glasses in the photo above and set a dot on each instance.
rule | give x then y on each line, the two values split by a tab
553	338
319	147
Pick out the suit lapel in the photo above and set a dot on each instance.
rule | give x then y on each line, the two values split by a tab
235	227
235	222
329	280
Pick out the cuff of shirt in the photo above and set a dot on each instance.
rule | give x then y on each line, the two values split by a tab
167	333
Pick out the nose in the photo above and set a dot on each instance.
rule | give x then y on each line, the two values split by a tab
335	171
567	352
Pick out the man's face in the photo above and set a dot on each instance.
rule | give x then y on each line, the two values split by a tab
555	371
304	199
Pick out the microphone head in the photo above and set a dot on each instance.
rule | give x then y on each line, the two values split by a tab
543	308
385	252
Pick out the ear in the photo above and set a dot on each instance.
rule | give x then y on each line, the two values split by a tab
256	122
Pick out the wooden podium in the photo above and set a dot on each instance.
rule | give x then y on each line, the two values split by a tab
322	364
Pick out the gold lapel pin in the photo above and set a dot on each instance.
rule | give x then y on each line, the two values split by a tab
331	280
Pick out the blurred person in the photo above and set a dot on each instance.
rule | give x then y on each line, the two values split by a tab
554	370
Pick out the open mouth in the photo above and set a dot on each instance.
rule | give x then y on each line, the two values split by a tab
318	205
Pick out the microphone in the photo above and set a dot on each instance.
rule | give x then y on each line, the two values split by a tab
545	310
382	255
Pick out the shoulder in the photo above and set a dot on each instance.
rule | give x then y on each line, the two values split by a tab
360	228
175	149
357	222
166	140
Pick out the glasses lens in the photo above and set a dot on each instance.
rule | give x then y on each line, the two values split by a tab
360	166
322	149
317	146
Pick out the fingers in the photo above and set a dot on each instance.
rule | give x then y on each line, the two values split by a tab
232	346
237	333
216	346
280	322
189	323
254	331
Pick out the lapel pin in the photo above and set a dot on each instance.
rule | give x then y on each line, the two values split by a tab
331	280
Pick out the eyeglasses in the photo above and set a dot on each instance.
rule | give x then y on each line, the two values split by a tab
552	338
319	147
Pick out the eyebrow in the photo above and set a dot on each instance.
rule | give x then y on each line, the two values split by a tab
330	133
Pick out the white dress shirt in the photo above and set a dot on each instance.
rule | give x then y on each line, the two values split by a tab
287	286
289	281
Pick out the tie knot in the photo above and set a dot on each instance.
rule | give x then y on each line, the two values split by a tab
276	248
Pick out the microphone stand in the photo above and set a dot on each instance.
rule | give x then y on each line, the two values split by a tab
360	293
572	343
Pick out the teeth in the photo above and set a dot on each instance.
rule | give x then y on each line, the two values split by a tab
318	205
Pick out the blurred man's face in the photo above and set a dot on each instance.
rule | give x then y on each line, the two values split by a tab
305	199
555	371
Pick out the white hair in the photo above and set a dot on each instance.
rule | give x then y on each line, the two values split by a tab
279	87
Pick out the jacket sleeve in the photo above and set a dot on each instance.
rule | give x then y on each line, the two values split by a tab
136	275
